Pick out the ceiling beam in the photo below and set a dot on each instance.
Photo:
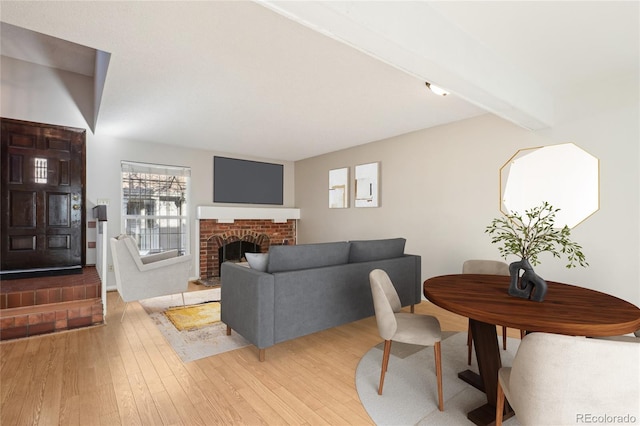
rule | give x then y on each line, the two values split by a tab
416	38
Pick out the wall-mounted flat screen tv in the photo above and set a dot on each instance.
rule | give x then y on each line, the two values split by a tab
247	182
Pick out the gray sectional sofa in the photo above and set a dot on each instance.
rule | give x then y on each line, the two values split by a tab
311	287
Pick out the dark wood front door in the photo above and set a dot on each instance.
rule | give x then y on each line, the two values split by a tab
43	192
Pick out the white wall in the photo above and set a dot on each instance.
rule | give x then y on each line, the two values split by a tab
440	189
35	93
42	94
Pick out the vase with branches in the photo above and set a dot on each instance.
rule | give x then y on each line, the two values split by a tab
527	236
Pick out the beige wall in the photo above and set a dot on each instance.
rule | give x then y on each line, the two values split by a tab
440	189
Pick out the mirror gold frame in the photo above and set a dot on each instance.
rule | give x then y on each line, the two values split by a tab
564	175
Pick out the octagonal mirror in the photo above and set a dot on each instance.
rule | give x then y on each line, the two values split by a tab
565	176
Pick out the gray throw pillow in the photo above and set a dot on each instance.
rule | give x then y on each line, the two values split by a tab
257	261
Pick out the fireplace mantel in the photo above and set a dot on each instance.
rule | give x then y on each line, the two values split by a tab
229	214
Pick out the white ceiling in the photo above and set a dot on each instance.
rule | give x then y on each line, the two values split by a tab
291	80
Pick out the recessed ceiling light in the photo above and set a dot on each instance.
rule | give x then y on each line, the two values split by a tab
437	90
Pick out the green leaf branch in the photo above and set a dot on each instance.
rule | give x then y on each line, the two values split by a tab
537	234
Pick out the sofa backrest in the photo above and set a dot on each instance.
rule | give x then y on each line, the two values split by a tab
368	250
307	256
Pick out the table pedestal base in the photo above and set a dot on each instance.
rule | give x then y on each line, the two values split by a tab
487	349
471	378
486	415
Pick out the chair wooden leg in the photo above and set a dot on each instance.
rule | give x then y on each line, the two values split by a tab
469	344
413	309
499	404
504	337
438	356
385	363
261	355
228	331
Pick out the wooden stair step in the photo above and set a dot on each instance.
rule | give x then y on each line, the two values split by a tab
26	321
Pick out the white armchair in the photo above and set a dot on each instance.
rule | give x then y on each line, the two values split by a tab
144	277
560	380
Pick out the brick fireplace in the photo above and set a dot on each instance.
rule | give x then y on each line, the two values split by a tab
260	228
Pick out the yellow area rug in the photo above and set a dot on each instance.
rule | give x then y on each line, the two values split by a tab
193	317
198	343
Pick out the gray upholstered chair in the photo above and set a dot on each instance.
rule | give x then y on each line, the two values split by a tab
403	327
489	267
558	380
144	277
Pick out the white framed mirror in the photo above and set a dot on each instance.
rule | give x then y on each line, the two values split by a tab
367	185
564	175
339	188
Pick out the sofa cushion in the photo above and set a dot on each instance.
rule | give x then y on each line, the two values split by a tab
368	250
306	256
257	261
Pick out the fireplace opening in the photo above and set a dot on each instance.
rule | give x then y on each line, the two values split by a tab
234	251
256	234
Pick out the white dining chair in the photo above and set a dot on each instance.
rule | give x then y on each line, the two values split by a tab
557	380
405	327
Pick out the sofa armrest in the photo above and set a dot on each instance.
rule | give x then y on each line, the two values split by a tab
418	270
247	303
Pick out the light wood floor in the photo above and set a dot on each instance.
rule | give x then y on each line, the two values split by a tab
126	373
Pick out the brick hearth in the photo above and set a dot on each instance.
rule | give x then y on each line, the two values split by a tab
32	306
264	232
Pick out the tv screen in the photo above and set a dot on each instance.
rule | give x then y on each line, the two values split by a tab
247	182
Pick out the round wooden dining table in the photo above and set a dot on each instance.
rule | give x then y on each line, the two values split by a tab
566	309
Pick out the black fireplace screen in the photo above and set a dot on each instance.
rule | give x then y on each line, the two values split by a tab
234	252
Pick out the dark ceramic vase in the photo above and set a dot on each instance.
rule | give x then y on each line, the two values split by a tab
529	285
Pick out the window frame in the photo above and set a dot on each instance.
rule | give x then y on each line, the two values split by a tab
151	243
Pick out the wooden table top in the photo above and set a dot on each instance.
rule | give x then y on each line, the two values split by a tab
567	309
